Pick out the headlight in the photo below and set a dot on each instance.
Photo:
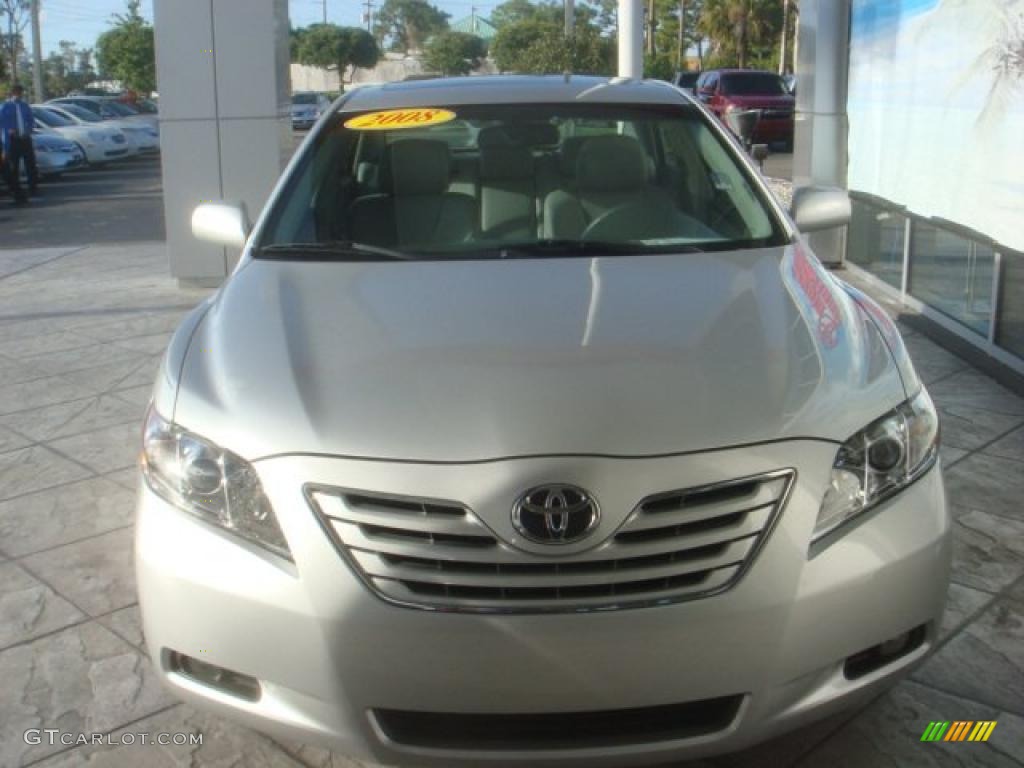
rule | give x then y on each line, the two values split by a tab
42	148
880	460
209	482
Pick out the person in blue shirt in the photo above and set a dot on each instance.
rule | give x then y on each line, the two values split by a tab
16	124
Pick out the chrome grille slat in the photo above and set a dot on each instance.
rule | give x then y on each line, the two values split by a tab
674	508
466	525
736	526
435	554
528	600
375	565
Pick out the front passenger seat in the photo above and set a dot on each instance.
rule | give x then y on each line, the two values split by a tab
419	211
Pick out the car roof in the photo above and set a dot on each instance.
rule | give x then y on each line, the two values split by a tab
512	89
738	71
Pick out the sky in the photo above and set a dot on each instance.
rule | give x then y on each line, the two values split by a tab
84	20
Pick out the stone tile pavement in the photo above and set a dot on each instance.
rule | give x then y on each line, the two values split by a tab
81	331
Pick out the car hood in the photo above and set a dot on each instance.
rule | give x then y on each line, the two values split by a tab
474	360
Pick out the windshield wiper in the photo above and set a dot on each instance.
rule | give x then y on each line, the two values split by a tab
570	247
333	249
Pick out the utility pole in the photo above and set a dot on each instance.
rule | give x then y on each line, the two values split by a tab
570	19
680	40
368	14
325	11
37	55
785	36
652	25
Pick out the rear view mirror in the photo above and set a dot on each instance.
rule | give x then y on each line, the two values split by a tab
815	208
222	223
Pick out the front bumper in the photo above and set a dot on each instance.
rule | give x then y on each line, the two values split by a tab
328	653
51	163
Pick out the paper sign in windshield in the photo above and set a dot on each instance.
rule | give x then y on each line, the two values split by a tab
395	119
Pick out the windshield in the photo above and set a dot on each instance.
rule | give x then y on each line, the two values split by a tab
80	113
517	180
51	118
304	98
120	109
754	84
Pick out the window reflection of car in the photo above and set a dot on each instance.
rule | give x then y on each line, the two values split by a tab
734	90
528	430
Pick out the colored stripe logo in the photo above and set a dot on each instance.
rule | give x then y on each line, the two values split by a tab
958	730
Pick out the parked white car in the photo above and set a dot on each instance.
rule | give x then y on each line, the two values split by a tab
55	154
111	142
142	131
101	142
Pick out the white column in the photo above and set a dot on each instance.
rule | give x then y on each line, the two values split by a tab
822	67
223	79
631	38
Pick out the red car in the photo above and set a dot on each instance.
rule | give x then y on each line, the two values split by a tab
724	90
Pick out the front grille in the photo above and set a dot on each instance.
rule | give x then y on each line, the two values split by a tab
558	730
679	545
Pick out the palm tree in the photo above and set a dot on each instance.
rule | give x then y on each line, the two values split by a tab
737	26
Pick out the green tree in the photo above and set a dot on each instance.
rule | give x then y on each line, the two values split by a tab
55	74
14	17
408	23
330	46
454	53
538	46
743	32
126	51
660	66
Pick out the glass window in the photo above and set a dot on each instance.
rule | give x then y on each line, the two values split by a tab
82	114
50	118
952	274
514	180
753	84
304	98
1010	325
875	241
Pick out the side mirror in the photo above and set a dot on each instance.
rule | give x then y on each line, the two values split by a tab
222	223
816	208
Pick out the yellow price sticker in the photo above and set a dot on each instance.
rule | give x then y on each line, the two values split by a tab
394	119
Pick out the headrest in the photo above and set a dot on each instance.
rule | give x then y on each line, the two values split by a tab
493	136
611	164
570	153
538	134
419	167
505	162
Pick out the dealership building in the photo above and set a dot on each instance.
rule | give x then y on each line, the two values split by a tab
915	106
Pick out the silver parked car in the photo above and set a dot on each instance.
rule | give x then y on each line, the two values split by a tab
306	109
528	430
54	154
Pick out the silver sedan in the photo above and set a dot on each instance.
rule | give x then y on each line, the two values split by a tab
529	431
